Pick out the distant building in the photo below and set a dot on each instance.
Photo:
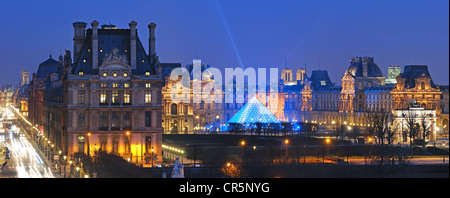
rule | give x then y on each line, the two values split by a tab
393	72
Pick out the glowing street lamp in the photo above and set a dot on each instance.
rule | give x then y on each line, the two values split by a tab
443	153
286	142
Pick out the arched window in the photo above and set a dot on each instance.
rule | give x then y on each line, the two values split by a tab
102	143
115	145
422	85
127	144
173	109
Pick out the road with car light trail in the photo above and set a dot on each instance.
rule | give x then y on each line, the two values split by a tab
25	161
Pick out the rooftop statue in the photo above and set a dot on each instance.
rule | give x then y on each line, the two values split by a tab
114	56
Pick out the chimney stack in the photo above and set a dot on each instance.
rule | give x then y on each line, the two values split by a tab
133	49
152	39
78	38
94	25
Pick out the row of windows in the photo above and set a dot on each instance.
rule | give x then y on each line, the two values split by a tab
118	119
115	144
104	74
114	97
115	85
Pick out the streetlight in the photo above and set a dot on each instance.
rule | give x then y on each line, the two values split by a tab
78	169
65	158
243	150
137	157
443	153
89	144
286	142
327	141
152	156
70	165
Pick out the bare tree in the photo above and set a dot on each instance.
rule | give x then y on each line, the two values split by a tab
425	126
411	125
379	127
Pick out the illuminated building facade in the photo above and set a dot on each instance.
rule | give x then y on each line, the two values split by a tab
113	94
363	90
108	98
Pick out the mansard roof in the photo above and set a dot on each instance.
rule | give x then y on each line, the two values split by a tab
109	39
317	76
413	71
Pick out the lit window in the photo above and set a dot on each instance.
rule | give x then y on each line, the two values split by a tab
103	85
126	85
115	74
103	97
143	60
126	97
125	74
148	85
322	82
147	73
80	73
84	60
104	74
115	85
148	97
115	97
82	85
101	50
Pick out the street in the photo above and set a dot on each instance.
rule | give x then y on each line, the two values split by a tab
25	160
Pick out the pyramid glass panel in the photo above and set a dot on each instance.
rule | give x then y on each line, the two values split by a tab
254	112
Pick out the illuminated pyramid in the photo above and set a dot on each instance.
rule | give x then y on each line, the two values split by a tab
254	112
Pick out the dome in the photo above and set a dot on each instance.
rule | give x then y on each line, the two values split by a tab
356	67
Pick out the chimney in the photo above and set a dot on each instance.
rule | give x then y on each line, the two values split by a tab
78	38
365	62
94	25
152	39
133	49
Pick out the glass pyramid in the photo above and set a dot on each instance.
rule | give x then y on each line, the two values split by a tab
254	112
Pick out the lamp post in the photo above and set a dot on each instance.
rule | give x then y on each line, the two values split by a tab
152	156
137	156
443	153
78	170
70	166
243	150
286	142
65	163
327	142
59	161
89	144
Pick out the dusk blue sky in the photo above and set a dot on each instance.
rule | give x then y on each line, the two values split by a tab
323	34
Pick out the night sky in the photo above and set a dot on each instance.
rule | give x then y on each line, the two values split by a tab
323	34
